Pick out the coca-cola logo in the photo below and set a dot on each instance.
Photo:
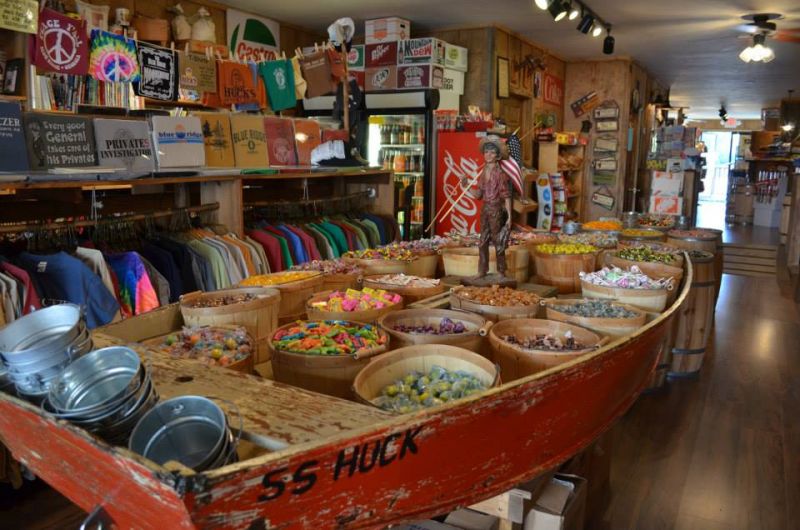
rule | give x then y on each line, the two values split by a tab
464	215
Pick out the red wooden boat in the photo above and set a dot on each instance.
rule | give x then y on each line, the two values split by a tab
319	462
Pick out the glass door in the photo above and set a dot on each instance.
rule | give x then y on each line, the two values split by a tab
397	143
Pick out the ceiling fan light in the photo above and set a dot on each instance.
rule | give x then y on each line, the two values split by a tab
542	4
768	55
598	29
747	54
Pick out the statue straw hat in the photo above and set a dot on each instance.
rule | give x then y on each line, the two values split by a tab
496	142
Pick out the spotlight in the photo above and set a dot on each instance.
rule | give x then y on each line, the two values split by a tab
723	113
586	23
788	127
608	44
558	10
574	11
542	4
598	29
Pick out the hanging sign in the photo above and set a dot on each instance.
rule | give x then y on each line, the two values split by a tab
197	72
19	15
584	104
553	90
157	73
252	38
113	58
59	141
60	44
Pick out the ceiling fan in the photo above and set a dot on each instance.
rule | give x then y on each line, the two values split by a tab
764	24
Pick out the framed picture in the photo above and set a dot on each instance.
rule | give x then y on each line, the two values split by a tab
607	126
502	77
14	72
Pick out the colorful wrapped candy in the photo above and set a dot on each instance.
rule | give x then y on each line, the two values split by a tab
417	390
328	337
595	239
329	266
390	252
565	248
630	279
277	278
602	225
213	346
353	300
646	254
405	280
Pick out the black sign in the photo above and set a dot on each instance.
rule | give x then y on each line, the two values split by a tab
59	141
12	138
158	70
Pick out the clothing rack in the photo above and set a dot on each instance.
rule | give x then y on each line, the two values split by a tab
327	206
13	228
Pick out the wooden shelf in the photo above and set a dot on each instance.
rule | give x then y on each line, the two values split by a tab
531	206
191	104
403	146
10	97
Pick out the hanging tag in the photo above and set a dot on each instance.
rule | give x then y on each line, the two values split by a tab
604	198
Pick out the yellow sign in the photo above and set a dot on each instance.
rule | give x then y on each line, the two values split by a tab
19	15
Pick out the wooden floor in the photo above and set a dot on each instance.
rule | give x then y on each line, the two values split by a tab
722	451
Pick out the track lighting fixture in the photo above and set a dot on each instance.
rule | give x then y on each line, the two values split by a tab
586	23
558	10
597	30
542	4
608	43
574	10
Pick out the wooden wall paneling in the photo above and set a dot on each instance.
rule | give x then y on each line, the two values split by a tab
479	82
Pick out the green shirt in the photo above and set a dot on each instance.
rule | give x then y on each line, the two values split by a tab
279	79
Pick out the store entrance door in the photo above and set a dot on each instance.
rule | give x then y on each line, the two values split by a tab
719	157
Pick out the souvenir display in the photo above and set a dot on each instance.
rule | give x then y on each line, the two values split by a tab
12	138
55	141
124	144
249	141
217	139
158	73
178	141
113	58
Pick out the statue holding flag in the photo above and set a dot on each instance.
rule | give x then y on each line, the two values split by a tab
495	184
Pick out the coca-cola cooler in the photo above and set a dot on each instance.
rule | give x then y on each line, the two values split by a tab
457	156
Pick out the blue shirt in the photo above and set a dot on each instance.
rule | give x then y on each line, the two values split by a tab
297	244
64	277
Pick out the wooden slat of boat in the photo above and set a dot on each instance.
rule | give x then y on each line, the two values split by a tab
270	410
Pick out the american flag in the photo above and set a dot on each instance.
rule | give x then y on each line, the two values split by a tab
515	148
513	170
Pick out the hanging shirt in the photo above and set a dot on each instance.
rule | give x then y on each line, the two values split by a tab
297	244
259	249
136	291
31	298
64	277
164	263
337	234
286	252
278	77
160	284
299	82
324	246
308	242
271	247
188	270
94	259
10	294
317	73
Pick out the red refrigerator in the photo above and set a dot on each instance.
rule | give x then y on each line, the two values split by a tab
457	156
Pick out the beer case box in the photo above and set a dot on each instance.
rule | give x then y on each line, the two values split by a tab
418	76
124	144
381	78
455	57
381	54
178	141
420	51
560	506
453	81
356	60
386	30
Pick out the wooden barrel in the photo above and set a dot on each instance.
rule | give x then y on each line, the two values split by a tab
561	270
409	293
707	240
658	378
516	362
379	266
388	368
341	282
638	234
259	316
655	270
327	374
494	313
646	299
538	238
477	327
423	265
612	327
294	296
743	204
242	365
463	261
694	320
365	315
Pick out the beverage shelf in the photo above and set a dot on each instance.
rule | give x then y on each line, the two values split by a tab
403	146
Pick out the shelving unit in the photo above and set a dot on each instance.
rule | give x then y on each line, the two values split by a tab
550	162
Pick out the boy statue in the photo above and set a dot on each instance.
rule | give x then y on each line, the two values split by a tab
495	188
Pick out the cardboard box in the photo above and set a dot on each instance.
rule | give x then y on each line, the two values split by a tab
420	51
356	58
560	506
386	30
666	183
453	81
419	76
382	54
471	520
381	78
666	204
455	57
360	77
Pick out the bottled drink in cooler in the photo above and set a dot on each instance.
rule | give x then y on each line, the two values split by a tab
406	134
393	137
399	162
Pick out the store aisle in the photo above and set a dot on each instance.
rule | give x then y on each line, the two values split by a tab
719	452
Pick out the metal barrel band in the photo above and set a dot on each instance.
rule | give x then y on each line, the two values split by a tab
696	351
